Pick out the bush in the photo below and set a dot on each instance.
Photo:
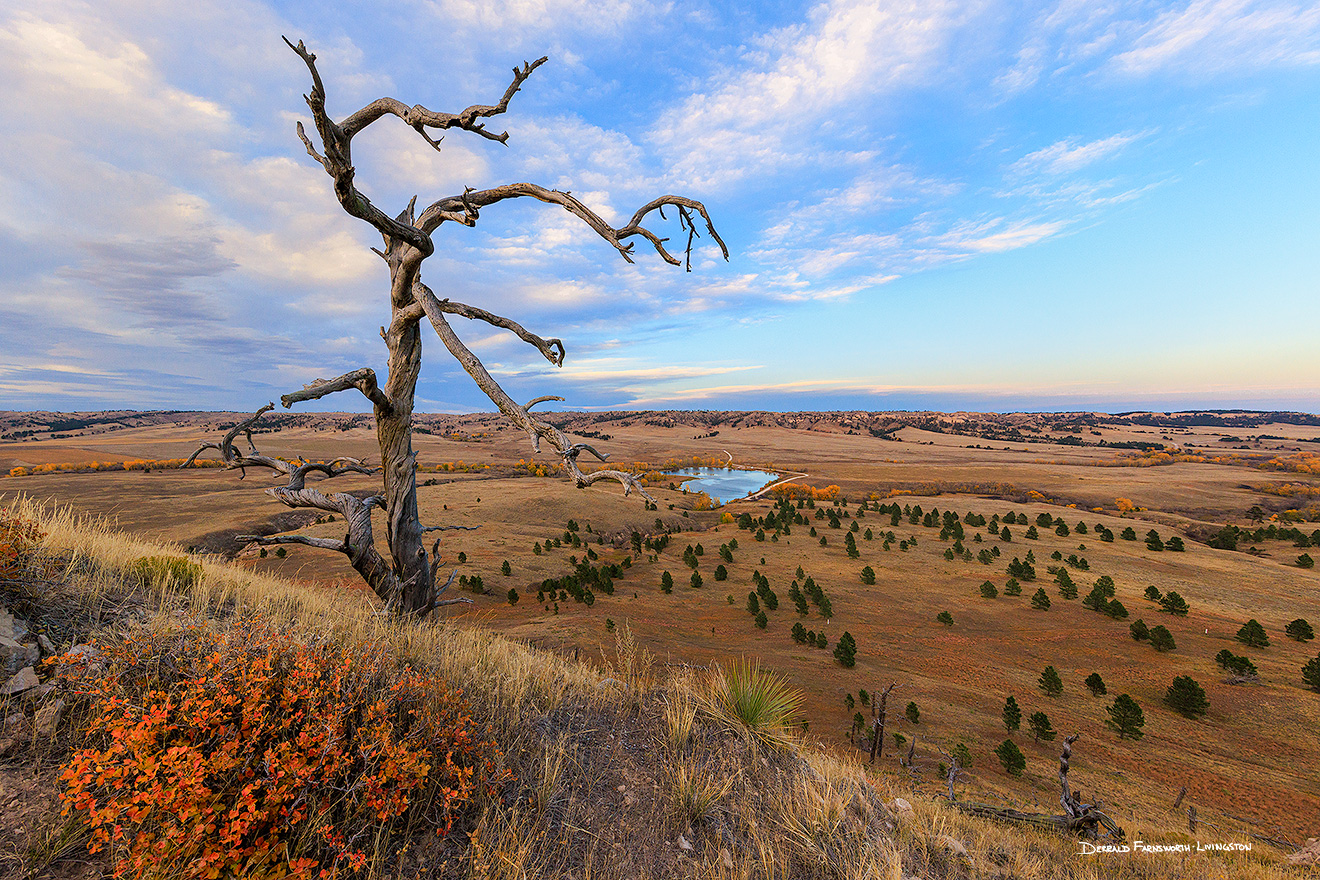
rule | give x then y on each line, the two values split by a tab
1011	757
1186	697
1253	635
753	699
249	753
945	618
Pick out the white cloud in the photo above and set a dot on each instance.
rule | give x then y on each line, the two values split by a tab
1071	154
1226	35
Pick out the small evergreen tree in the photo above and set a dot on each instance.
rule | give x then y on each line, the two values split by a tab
1253	634
912	712
1067	588
1153	593
1040	600
1011	714
1116	610
821	641
1174	604
667	582
1305	561
1040	727
1186	697
1011	757
1032	534
945	618
1062	531
761	620
868	575
1139	630
1311	673
963	756
988	590
1299	630
505	569
696	580
800	634
1161	639
845	650
1153	541
1126	717
721	573
1175	544
1096	685
513	596
1128	534
753	604
1050	683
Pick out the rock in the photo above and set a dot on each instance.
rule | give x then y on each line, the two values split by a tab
88	653
726	859
14	655
25	679
16	721
684	844
45	644
954	846
47	720
1308	854
902	807
10	627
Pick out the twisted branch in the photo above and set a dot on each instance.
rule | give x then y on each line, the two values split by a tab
363	380
552	349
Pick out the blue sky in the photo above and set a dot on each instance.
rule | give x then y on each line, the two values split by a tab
929	205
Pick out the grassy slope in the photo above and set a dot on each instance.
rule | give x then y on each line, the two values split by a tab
611	773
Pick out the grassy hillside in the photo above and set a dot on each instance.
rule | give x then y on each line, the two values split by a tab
623	768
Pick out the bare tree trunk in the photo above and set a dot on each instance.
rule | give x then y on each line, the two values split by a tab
878	731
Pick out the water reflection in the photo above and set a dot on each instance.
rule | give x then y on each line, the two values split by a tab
724	484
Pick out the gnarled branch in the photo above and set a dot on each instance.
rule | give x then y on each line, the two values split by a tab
363	380
552	349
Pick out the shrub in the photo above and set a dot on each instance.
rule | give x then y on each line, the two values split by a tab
945	618
249	753
1095	684
1011	757
160	571
1186	697
1126	717
1252	634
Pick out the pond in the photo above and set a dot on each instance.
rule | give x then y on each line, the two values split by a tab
724	484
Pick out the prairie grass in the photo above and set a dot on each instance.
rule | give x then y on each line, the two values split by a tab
595	774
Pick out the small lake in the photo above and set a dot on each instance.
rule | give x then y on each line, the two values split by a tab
724	484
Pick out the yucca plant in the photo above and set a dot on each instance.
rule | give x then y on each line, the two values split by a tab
753	700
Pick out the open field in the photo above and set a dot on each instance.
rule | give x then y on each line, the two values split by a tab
1253	755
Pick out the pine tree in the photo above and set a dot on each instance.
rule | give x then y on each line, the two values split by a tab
1139	630
1187	697
845	650
1012	587
1161	639
912	712
1040	600
1041	729
988	590
696	580
1096	685
1011	757
721	573
667	582
1299	630
1153	593
761	620
799	633
753	604
868	575
1311	673
1253	634
945	618
1012	714
1050	683
821	641
505	569
1173	603
513	596
1153	541
1126	717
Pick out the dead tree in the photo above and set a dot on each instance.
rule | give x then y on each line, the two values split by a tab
878	723
406	581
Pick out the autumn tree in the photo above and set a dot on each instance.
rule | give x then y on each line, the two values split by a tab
405	578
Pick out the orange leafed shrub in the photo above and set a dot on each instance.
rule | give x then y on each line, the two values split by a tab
794	491
248	753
